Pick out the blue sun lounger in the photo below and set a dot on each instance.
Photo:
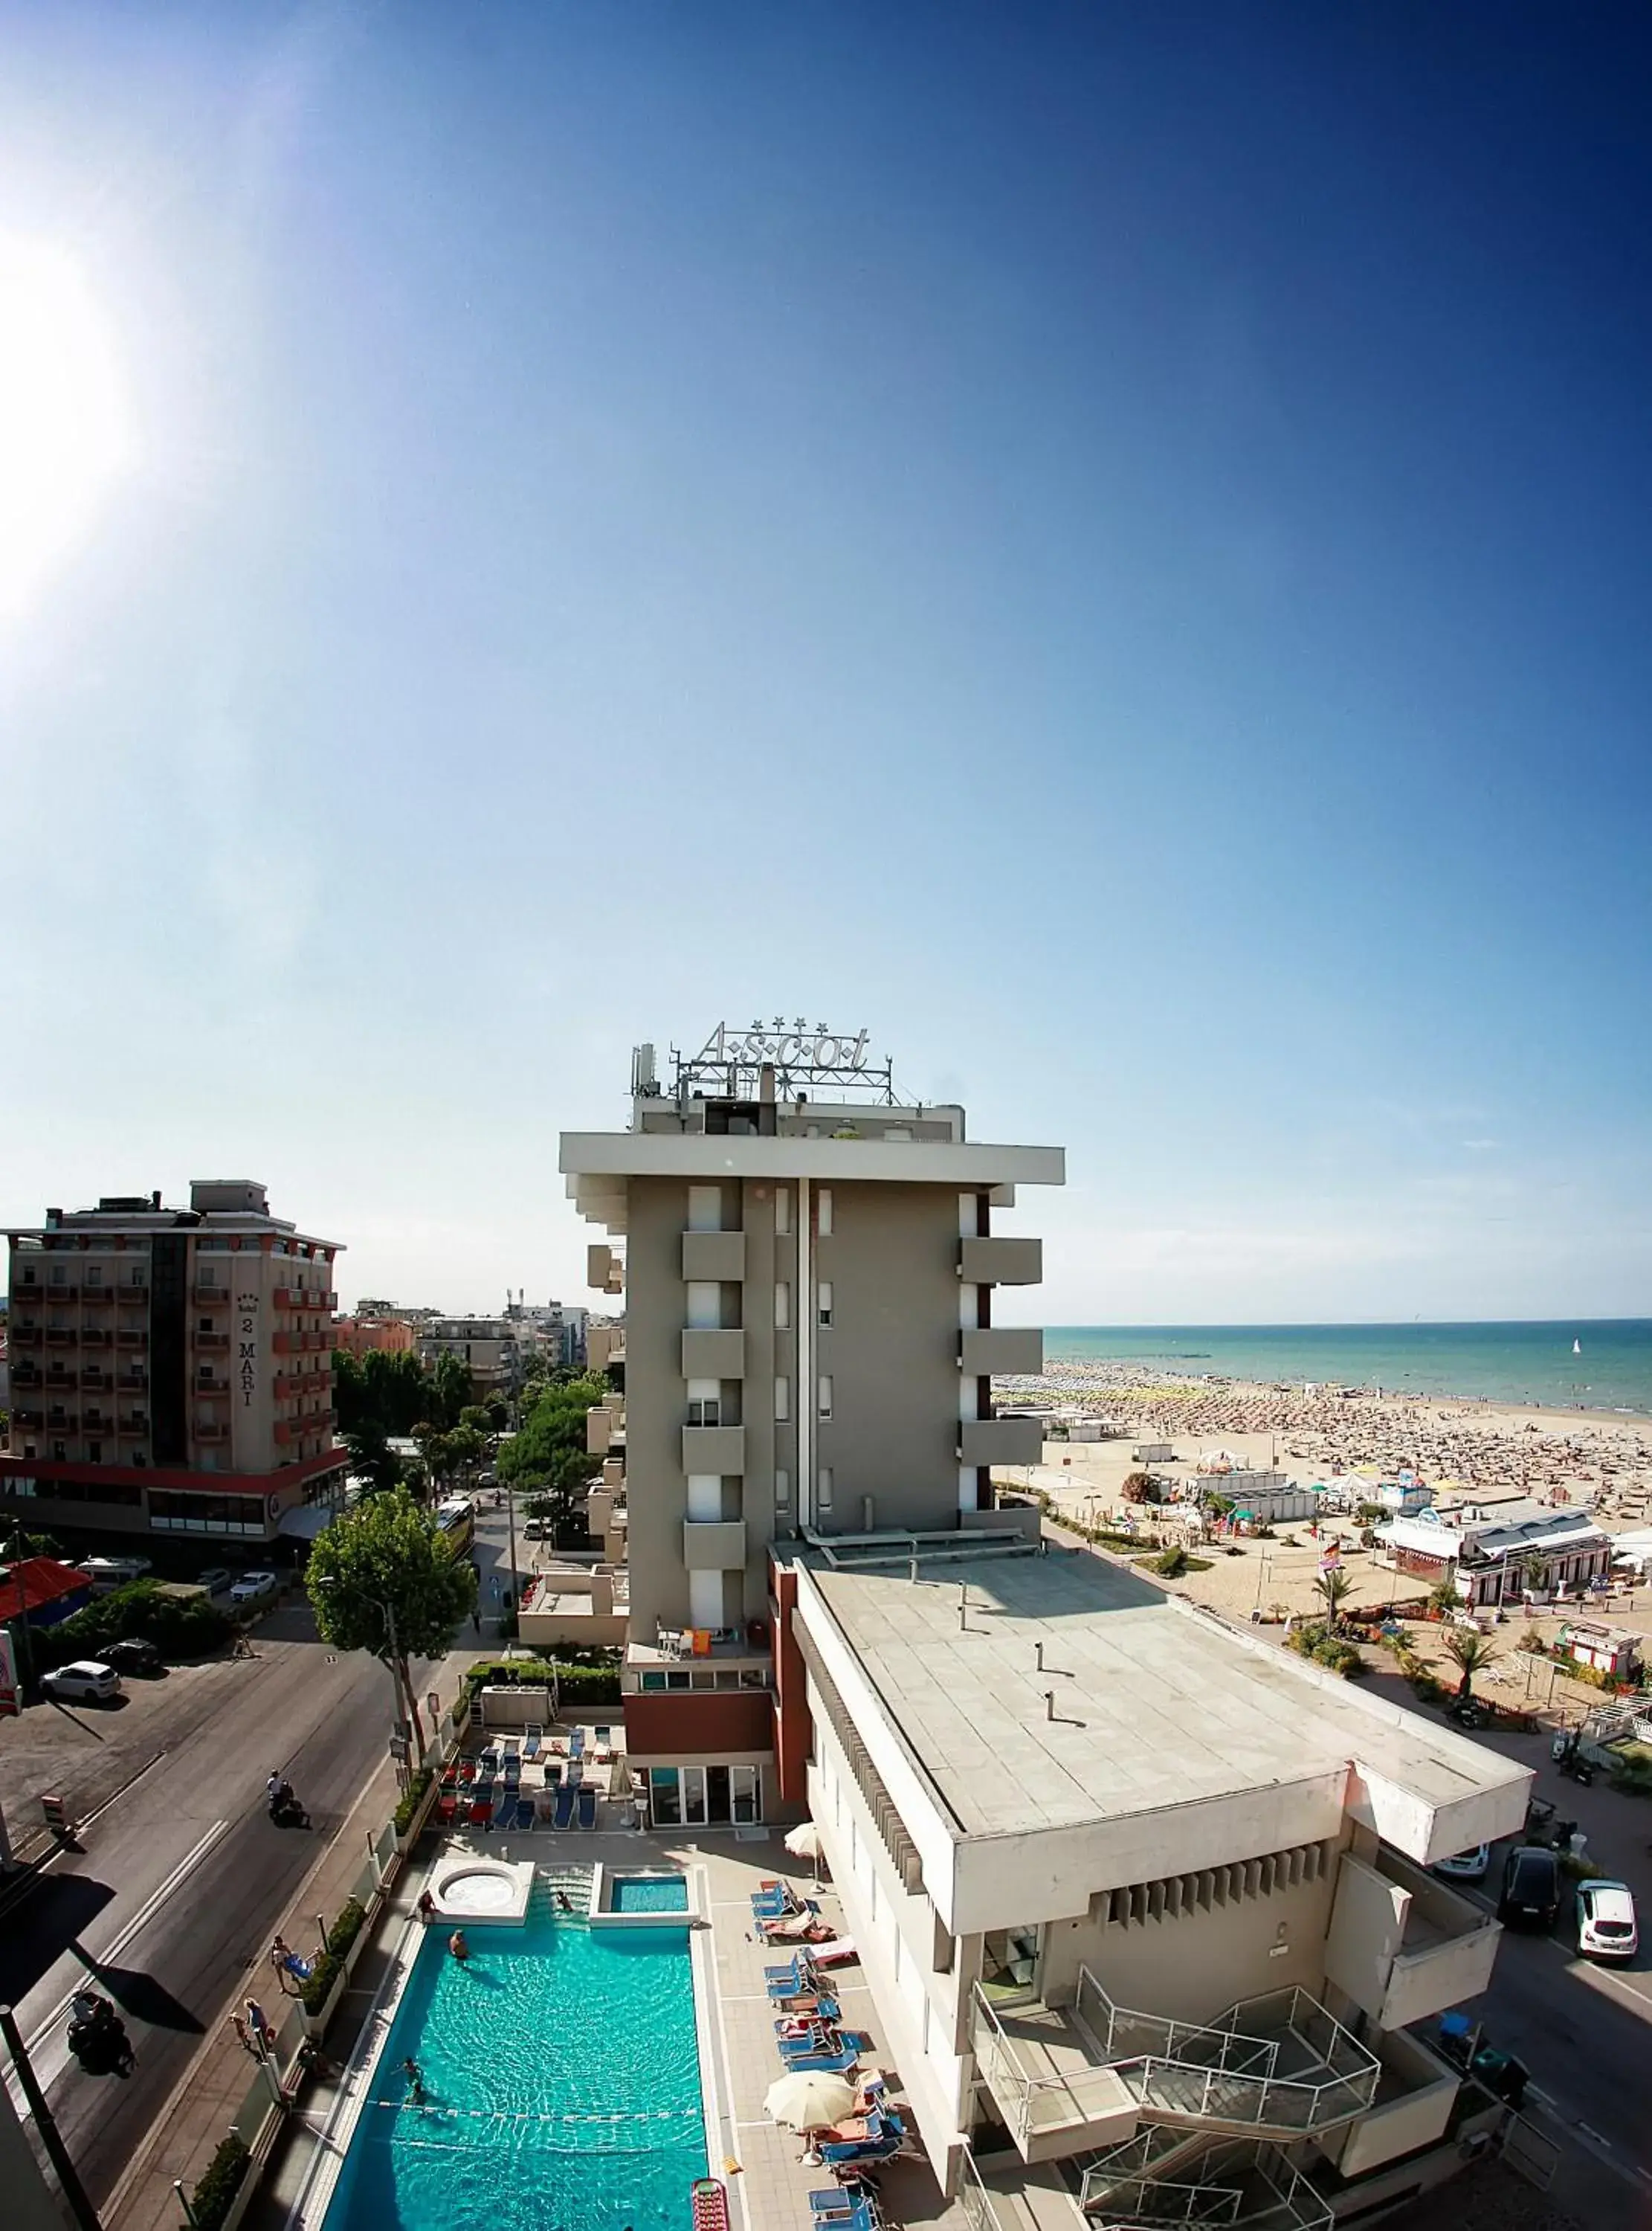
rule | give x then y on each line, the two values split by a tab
576	1744
525	1813
533	1736
836	2063
563	1817
587	1802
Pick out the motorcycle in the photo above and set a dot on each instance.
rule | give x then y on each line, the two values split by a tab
97	2037
285	1810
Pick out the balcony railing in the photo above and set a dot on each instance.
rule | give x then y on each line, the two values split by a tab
95	1336
215	1385
135	1291
133	1426
27	1335
61	1337
129	1337
1241	2184
97	1381
210	1296
30	1420
96	1297
133	1382
55	1293
212	1430
211	1340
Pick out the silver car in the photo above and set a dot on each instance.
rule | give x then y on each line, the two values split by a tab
87	1681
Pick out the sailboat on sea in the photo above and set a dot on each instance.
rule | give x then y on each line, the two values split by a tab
1577	1347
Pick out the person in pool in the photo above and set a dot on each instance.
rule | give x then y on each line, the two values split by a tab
459	1946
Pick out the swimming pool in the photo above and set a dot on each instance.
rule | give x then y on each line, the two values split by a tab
649	1894
562	2079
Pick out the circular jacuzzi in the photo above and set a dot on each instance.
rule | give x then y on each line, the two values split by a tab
478	1891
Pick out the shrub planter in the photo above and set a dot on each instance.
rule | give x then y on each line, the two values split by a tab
415	1828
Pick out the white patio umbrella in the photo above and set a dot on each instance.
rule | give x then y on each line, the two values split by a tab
803	1842
808	2099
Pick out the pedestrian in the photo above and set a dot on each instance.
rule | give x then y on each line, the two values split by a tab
258	2023
475	1620
427	1906
458	1945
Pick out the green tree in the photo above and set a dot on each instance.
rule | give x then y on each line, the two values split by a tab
382	1579
372	1460
548	1458
1469	1653
475	1416
450	1390
1336	1588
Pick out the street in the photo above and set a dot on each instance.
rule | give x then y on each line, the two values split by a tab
170	1907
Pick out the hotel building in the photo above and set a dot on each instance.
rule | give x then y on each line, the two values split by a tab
1144	1901
173	1369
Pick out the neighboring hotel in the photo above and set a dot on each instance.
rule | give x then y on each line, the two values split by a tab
173	1369
1144	1902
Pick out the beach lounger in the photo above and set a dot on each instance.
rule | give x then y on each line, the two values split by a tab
835	2064
834	1953
796	1973
803	1927
587	1801
450	1776
545	1805
467	1770
481	1813
576	1744
843	2210
532	1737
604	1738
782	1899
552	1773
565	1806
446	1809
810	2007
827	2039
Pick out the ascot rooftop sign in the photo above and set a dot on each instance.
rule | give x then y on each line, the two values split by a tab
794	1048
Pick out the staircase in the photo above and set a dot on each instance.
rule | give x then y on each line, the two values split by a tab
1161	2178
572	1880
1276	2066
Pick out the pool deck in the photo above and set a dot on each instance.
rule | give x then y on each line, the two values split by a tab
769	2189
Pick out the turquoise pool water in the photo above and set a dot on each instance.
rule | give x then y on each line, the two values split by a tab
649	1894
563	2091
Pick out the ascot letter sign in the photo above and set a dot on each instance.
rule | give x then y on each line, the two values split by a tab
797	1048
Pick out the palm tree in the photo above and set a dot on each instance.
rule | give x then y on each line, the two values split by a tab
1336	1587
1469	1653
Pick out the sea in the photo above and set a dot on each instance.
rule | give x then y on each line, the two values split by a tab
1610	1368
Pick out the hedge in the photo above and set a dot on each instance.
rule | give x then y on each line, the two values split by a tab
342	1935
219	2183
414	1798
576	1685
179	1627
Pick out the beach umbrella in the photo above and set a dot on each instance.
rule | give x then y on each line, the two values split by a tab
808	2099
803	1841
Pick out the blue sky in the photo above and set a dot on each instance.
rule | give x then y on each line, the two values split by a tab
1108	544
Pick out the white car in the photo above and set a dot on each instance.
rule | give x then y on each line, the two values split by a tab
87	1680
1606	1927
253	1587
1466	1867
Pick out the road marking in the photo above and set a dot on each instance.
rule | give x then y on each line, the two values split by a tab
1594	2135
140	1922
1545	2098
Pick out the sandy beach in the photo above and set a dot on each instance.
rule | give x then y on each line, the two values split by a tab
1461	1449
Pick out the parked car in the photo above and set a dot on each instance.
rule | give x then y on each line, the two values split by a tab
537	1530
1606	1925
253	1587
1466	1867
1531	1897
107	1574
215	1580
134	1654
88	1680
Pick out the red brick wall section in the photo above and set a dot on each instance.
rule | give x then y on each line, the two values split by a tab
721	1725
792	1729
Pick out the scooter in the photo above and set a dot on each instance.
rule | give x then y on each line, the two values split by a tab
286	1811
97	2037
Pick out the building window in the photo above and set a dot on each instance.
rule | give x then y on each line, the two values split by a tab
664	1797
782	1305
825	1404
782	1399
94	1453
782	1487
824	1301
824	1211
825	1487
782	1210
706	1413
705	1208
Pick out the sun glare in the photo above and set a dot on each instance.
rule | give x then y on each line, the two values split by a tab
64	430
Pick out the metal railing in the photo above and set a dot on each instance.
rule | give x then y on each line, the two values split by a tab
981	2211
1250	2187
1031	2103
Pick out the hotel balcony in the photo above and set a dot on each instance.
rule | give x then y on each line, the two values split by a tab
132	1290
1000	1441
132	1336
96	1297
1402	1944
96	1380
717	1257
27	1335
211	1296
199	1386
96	1336
54	1293
1000	1349
62	1422
1068	2079
29	1420
134	1426
1001	1261
133	1382
604	1269
710	1353
26	1374
708	1449
211	1340
216	1431
713	1545
61	1380
97	1421
62	1336
599	1431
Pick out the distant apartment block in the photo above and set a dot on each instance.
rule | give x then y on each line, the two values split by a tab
171	1369
488	1347
369	1335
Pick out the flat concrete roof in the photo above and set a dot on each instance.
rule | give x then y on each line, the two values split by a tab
1157	1705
